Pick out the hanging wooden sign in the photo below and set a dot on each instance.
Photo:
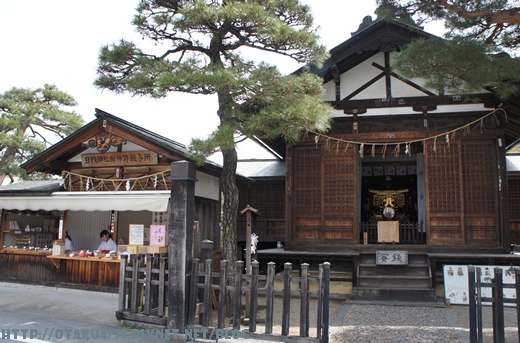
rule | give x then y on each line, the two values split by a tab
131	158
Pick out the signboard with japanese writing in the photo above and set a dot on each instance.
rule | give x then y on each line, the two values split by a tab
130	158
136	234
456	286
158	235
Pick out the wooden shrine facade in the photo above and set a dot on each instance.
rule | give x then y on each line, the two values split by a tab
330	202
397	155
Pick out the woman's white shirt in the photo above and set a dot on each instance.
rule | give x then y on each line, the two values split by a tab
108	245
69	245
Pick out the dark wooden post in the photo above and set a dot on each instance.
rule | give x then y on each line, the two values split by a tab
498	307
326	285
148	283
222	294
249	224
206	250
270	298
122	284
517	287
237	297
472	305
180	244
206	253
304	305
287	273
254	296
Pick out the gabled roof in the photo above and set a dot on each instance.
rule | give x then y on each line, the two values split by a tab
54	159
262	169
378	36
371	38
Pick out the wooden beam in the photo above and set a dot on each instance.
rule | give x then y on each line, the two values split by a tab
485	98
337	80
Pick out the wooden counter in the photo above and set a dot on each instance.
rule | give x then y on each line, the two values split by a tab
15	251
41	268
111	263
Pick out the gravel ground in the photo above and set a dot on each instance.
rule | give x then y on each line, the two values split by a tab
392	324
461	315
354	322
365	323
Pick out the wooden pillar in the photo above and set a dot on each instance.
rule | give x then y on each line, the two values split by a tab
180	244
249	223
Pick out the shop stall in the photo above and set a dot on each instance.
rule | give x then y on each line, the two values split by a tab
110	175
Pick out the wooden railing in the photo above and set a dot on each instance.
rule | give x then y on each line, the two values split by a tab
409	232
143	285
239	283
497	299
143	296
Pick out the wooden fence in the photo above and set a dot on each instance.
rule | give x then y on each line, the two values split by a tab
143	297
497	299
239	283
143	286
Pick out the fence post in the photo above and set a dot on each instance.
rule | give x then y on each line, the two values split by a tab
326	284
180	245
480	334
206	253
136	259
222	294
148	283
162	281
286	311
304	305
472	305
237	301
498	307
122	283
206	315
517	284
253	293
270	298
319	324
193	293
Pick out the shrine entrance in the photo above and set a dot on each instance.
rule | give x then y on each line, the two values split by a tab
392	197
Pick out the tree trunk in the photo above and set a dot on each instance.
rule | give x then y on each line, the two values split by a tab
6	161
230	206
229	220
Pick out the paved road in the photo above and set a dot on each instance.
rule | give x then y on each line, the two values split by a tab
63	315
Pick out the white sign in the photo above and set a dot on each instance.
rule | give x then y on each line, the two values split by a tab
136	234
456	282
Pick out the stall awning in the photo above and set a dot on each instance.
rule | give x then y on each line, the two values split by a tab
90	201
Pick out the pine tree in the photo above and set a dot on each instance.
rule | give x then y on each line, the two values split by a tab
200	47
29	119
479	49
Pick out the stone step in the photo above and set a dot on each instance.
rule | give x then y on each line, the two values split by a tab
394	294
412	270
393	281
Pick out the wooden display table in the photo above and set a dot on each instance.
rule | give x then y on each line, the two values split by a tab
388	231
109	262
14	251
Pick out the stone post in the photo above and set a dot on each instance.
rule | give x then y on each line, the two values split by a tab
180	244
